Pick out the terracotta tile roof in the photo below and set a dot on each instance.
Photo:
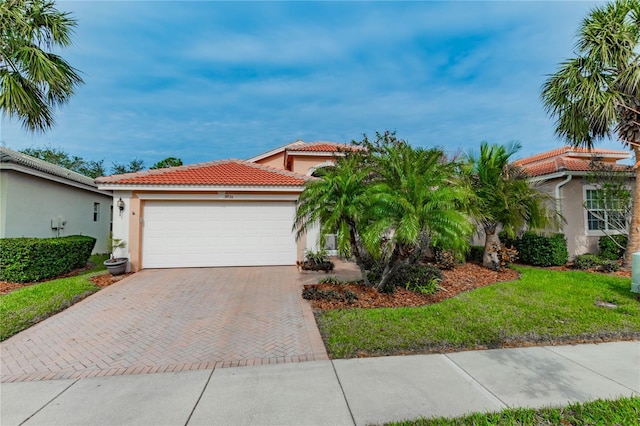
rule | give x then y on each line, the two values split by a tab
568	158
562	164
302	146
318	147
568	151
226	172
541	169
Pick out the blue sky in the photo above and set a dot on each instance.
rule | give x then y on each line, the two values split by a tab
210	80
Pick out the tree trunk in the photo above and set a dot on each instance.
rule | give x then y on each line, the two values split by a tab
355	250
491	257
633	244
416	255
353	241
390	268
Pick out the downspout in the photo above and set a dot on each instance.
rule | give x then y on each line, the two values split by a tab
557	194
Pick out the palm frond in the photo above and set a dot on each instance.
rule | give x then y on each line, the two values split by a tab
34	79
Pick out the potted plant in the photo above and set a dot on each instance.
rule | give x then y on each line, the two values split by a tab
116	265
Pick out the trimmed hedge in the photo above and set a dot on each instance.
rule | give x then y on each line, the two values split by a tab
609	249
35	259
538	250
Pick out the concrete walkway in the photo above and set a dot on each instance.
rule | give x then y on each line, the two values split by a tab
340	392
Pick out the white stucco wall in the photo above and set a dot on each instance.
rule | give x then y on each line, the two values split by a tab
29	203
313	238
121	222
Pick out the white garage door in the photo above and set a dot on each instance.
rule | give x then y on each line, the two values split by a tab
217	233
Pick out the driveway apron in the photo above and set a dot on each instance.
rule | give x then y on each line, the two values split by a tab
172	320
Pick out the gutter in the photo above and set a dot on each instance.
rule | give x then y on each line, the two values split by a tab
557	195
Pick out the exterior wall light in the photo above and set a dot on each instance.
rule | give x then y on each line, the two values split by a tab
120	206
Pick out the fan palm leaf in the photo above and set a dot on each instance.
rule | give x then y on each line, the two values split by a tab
597	94
34	81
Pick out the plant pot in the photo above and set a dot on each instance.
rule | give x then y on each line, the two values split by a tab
116	266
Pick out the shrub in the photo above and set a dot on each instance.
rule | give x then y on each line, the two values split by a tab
413	275
315	293
445	259
34	259
586	261
475	254
367	261
417	277
607	265
539	250
505	256
609	249
329	280
317	261
318	257
591	261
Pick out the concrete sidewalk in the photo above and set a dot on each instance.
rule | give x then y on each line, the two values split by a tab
355	391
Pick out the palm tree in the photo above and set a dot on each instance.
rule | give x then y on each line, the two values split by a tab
597	93
337	201
33	81
505	198
388	200
417	199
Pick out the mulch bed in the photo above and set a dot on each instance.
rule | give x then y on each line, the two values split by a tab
107	279
462	278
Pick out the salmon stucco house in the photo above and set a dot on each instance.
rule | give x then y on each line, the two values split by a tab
563	173
220	213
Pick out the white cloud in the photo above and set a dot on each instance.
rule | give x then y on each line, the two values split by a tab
211	80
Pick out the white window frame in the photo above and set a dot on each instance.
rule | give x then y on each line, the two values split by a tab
595	232
96	212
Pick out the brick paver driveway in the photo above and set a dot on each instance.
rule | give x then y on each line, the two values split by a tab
170	320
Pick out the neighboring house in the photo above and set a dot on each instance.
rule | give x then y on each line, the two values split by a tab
562	172
39	199
221	213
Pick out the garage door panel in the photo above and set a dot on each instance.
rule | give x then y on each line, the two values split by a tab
184	234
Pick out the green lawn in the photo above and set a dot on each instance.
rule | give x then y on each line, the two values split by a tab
22	308
543	306
623	411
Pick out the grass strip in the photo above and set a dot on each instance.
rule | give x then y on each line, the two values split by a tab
29	305
622	411
542	306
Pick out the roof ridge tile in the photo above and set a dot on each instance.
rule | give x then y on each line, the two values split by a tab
228	172
8	155
566	150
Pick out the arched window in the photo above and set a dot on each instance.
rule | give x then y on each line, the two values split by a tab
316	171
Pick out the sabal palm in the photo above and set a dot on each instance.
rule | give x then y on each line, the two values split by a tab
33	80
597	94
337	202
505	197
418	197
